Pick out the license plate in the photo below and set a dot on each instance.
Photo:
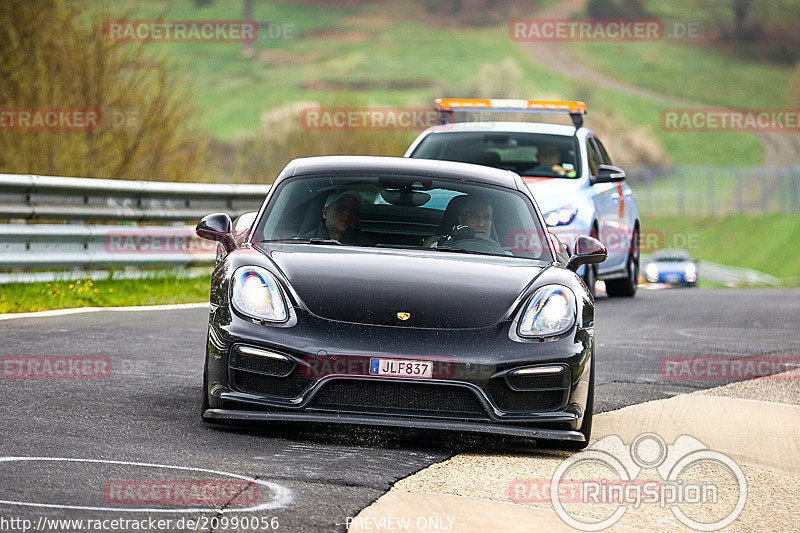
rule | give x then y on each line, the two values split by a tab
673	278
400	368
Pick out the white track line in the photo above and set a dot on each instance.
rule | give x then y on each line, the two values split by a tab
282	495
76	310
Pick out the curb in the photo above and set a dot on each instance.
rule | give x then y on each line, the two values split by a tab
762	437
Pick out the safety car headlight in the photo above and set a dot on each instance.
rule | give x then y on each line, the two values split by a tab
560	217
550	311
651	272
690	272
256	294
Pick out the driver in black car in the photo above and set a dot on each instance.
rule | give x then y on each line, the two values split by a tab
474	221
477	216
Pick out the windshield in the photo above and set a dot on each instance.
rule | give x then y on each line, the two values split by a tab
404	212
527	154
672	257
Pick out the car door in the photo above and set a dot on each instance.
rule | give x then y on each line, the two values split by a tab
608	200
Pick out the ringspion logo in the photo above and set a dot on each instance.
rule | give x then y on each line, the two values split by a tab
704	489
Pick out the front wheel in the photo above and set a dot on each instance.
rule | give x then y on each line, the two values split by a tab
586	425
627	286
590	278
204	405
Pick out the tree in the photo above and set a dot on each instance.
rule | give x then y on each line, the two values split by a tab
54	56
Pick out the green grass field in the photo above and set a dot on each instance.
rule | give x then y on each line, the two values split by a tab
765	243
385	54
28	297
693	70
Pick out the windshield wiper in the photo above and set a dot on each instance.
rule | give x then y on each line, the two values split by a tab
458	250
314	240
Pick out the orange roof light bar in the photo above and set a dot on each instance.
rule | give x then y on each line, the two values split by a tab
448	106
503	104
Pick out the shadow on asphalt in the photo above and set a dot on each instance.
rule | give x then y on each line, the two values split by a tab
408	439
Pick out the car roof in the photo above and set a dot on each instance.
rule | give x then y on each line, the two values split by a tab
673	253
362	164
516	127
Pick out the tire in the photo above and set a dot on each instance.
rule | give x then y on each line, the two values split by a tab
590	278
586	426
626	287
204	401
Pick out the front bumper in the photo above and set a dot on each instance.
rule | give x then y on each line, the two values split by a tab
473	390
227	415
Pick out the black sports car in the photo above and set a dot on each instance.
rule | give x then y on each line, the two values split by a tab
400	292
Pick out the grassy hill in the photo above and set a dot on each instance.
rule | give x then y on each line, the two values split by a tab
386	53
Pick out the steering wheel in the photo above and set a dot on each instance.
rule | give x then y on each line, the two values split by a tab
478	244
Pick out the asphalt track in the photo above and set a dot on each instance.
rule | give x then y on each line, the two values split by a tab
310	478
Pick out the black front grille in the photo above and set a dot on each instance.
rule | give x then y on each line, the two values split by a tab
524	401
541	381
267	365
423	398
289	387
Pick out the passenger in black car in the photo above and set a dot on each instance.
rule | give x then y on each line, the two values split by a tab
340	220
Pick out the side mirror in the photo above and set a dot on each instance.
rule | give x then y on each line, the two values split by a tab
217	227
242	226
608	174
562	252
586	250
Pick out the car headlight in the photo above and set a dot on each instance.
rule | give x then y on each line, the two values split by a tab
256	294
560	217
550	311
690	272
651	272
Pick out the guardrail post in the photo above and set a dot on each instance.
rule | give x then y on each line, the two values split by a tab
796	182
711	197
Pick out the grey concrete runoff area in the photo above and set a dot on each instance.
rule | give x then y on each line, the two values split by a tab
66	442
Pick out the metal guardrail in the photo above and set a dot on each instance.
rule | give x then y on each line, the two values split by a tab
65	241
85	199
29	246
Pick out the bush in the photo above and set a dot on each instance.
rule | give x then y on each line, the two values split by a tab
54	56
616	9
283	137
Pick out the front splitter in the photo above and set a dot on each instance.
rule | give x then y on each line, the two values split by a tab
222	415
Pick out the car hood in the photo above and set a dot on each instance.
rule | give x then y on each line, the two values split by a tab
371	286
553	193
671	267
